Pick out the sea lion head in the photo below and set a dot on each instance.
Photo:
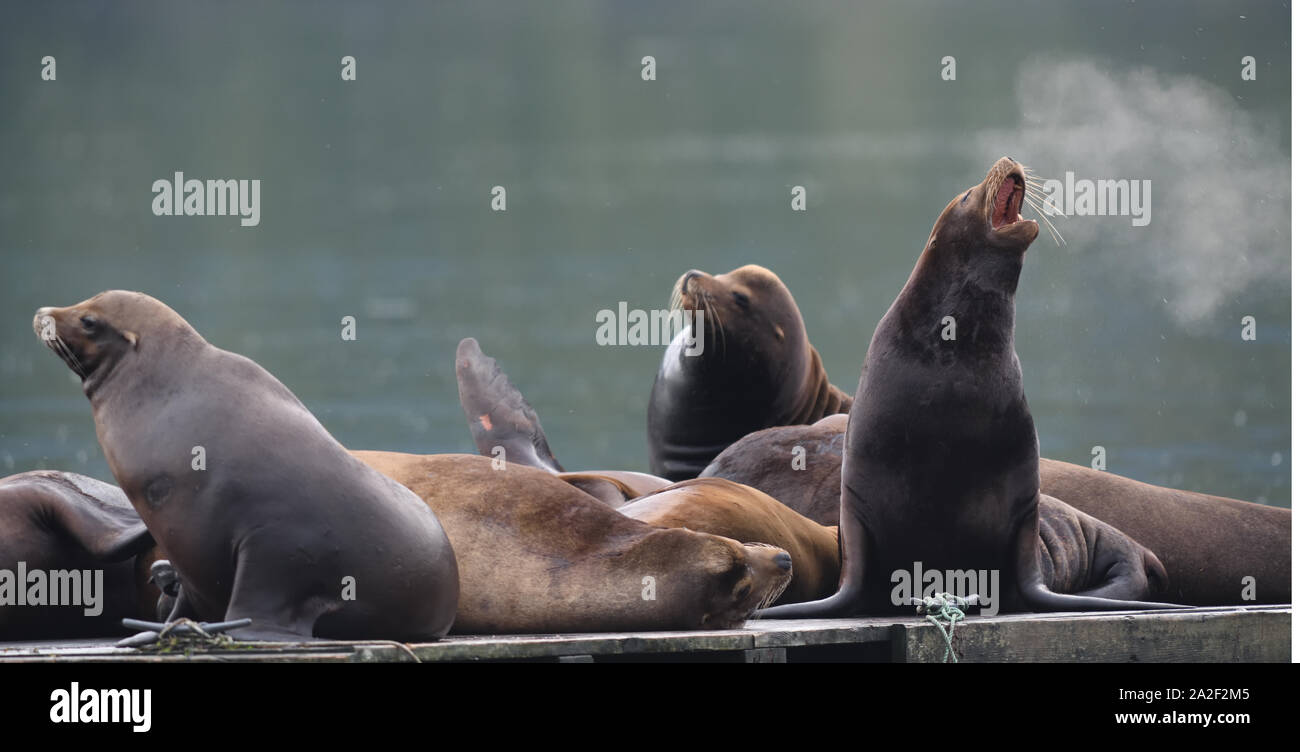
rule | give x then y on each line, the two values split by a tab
94	336
748	577
751	325
987	215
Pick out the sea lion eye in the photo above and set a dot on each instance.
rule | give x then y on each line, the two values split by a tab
744	591
89	323
741	299
963	198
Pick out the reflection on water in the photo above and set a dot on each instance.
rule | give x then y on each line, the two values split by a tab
375	203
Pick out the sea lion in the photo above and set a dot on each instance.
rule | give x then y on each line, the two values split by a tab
262	513
757	369
506	427
720	507
798	465
1207	544
52	521
941	456
538	555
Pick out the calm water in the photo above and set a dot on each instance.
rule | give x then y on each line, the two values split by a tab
375	202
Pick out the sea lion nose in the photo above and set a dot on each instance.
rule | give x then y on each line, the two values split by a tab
782	560
688	276
38	321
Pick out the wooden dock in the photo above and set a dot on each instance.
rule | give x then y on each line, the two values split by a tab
1221	634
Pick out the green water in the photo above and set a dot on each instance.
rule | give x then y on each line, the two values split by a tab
375	202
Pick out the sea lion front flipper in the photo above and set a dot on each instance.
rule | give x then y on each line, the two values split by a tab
100	518
849	598
497	413
1032	586
1082	555
163	576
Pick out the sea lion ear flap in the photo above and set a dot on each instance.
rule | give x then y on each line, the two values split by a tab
132	338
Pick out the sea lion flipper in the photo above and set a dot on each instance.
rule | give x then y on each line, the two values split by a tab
843	603
1082	555
99	517
1036	595
497	413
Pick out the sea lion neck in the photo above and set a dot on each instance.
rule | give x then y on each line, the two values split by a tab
962	295
179	346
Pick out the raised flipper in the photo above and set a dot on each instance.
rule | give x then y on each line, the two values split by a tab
498	415
1035	542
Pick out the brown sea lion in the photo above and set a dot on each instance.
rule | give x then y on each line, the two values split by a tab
941	456
713	505
90	547
538	555
757	369
263	514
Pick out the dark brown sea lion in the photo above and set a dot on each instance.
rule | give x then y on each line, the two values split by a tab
757	369
538	555
57	522
1207	544
263	514
941	455
798	465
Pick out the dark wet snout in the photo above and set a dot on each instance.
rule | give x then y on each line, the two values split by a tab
782	560
687	277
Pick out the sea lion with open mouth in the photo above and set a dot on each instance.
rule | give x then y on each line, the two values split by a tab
262	513
941	456
757	369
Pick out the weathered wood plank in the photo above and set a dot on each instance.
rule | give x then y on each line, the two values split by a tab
1236	634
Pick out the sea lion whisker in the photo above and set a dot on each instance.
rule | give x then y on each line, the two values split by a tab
1057	237
714	322
721	334
66	352
1041	208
